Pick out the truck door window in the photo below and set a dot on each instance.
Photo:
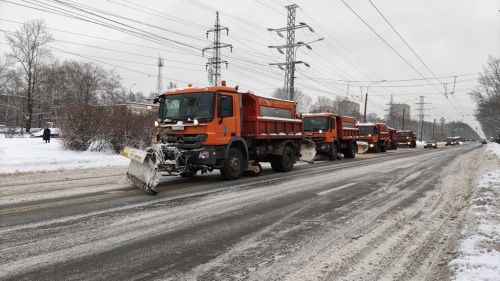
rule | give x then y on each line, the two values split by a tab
333	123
225	106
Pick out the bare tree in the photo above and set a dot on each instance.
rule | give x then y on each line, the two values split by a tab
28	49
302	100
487	97
323	104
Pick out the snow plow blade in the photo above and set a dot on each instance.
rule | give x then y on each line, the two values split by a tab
362	147
308	152
143	169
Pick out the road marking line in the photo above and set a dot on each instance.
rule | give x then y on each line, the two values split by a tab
336	188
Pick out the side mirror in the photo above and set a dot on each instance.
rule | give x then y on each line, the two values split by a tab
156	100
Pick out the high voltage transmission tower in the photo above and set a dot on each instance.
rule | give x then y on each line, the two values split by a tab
159	83
290	49
214	62
421	115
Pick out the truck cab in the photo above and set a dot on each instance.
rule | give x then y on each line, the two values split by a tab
407	138
200	122
376	135
332	133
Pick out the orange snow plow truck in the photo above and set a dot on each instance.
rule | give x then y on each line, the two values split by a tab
203	129
333	134
376	135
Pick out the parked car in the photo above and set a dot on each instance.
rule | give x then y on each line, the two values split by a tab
430	144
484	141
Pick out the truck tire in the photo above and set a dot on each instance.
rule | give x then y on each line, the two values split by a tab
413	145
350	151
333	153
285	161
234	165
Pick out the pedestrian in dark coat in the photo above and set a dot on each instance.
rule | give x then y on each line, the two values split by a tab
46	135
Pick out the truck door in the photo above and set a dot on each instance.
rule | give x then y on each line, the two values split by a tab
226	124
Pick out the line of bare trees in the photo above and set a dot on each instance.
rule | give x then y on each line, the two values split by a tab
84	99
487	97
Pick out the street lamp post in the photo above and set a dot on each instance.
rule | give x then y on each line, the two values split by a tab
366	97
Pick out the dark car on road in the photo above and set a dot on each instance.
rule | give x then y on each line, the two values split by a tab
430	144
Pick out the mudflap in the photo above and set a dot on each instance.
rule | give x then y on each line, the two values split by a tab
362	147
308	152
143	169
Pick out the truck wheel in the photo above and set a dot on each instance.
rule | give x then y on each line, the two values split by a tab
350	151
233	165
333	153
284	162
413	145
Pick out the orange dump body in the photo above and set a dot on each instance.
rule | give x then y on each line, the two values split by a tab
267	118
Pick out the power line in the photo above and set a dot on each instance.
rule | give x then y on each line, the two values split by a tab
387	44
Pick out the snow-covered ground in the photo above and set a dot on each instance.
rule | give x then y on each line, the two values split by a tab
33	154
479	252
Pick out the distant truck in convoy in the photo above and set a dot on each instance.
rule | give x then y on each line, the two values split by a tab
332	133
407	138
203	129
376	135
393	139
453	141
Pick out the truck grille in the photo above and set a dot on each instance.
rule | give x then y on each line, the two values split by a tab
184	141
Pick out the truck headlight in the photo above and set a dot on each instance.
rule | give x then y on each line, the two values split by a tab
204	155
369	135
371	145
157	124
320	131
409	143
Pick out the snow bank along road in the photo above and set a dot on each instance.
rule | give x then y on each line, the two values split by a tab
380	216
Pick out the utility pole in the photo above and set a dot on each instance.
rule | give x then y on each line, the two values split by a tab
442	127
159	83
404	109
213	64
390	115
433	127
290	49
366	97
421	115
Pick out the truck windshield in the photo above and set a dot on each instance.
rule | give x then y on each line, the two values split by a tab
314	124
366	130
184	106
403	134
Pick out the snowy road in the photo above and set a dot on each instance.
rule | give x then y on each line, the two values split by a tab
385	216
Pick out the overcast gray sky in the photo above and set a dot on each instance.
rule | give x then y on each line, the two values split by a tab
453	37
